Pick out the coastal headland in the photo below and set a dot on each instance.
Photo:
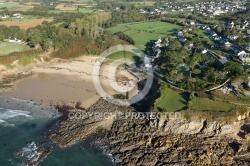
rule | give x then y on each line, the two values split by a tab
68	86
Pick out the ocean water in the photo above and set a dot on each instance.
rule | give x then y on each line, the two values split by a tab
23	125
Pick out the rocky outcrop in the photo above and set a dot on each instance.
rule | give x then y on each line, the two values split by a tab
141	142
133	140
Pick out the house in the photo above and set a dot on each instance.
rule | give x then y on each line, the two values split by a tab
182	39
180	33
158	43
141	11
245	23
192	22
17	15
225	43
245	58
236	49
147	61
13	40
218	12
223	60
241	53
203	51
4	16
216	37
233	37
230	25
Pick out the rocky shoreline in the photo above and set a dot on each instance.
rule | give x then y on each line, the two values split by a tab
157	141
152	141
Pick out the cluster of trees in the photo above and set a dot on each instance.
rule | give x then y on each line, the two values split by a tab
118	17
195	78
84	31
202	73
125	37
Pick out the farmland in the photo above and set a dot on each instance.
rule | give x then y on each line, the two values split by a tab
145	31
15	6
81	10
24	23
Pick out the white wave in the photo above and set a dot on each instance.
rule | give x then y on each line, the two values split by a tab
14	113
29	153
2	121
6	124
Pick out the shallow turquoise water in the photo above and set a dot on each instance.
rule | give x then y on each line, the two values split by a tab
23	123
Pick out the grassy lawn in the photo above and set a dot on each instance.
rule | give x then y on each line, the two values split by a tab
142	38
8	5
205	104
143	32
6	48
171	100
119	27
120	55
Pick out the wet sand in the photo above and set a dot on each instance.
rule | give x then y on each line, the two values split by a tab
65	83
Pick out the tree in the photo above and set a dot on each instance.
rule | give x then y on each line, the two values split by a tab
174	45
240	39
226	32
235	70
195	58
218	29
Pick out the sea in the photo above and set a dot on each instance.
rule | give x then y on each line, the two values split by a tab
23	127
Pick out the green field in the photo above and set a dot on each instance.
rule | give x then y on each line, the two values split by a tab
15	6
8	5
205	104
171	100
82	10
6	48
120	55
143	32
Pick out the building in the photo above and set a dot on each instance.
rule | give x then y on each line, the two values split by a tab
245	58
230	25
13	40
4	16
233	37
17	15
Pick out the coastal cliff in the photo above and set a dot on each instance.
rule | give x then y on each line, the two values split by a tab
158	141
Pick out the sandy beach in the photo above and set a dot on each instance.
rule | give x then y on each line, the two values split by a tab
67	82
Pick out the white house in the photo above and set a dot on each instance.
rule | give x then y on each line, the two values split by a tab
13	40
4	16
245	58
233	37
17	15
230	25
180	33
192	22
